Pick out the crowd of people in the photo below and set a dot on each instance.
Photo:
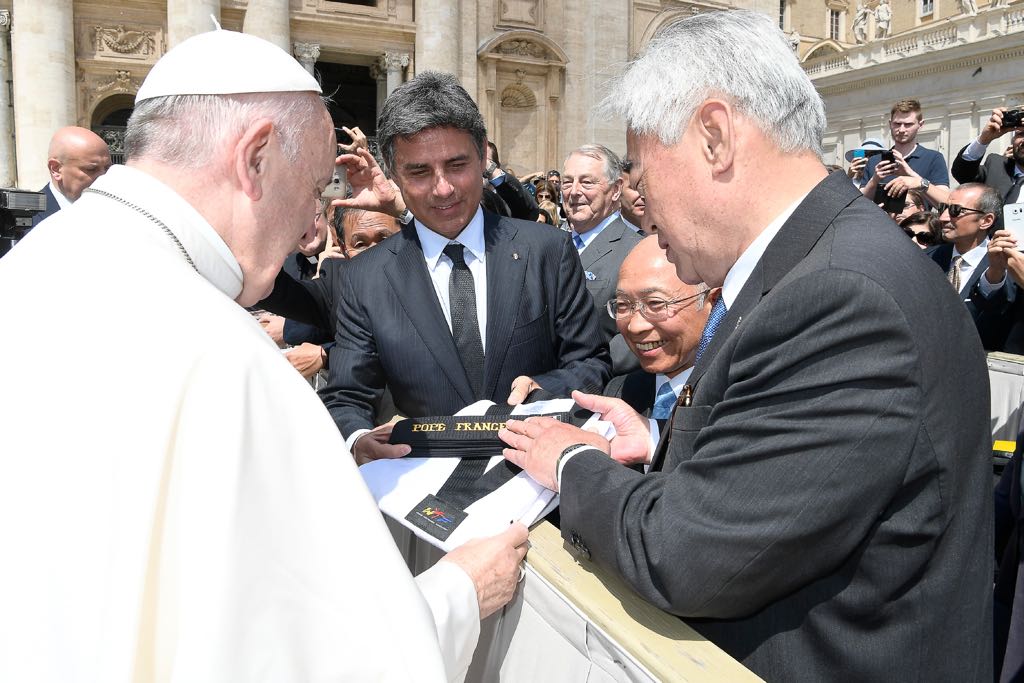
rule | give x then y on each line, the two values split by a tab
789	473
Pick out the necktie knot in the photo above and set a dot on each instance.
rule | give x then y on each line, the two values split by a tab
455	252
578	241
663	402
954	272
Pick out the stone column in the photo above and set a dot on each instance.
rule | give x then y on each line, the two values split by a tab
186	18
43	56
437	35
395	63
268	19
307	54
379	73
8	173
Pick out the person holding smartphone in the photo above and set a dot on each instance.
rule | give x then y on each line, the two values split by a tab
1005	174
908	165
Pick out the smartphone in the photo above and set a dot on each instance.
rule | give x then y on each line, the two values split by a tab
887	157
858	154
889	204
1013	220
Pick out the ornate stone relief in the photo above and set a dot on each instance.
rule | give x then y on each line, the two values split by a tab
123	42
522	48
5	20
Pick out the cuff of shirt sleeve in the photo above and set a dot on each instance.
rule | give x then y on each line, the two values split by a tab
655	438
974	151
451	596
353	437
987	288
500	180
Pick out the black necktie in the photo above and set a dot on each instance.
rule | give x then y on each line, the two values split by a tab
1013	194
465	328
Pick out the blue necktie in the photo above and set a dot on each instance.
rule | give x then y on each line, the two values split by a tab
715	318
663	402
578	241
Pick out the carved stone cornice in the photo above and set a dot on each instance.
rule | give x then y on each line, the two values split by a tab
522	48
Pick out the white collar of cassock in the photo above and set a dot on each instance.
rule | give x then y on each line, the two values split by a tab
206	248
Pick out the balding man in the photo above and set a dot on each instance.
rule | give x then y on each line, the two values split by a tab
77	157
660	317
194	515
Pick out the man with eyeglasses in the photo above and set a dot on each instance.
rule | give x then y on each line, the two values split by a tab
972	268
913	166
591	187
1005	174
661	319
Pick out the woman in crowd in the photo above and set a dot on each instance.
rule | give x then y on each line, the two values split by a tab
923	227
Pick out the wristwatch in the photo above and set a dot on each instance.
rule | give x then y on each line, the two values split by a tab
925	183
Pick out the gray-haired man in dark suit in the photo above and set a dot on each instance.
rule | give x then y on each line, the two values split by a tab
820	504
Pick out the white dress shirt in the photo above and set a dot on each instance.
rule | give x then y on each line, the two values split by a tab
589	235
968	265
62	201
440	266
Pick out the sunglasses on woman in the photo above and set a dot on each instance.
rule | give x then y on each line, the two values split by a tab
922	237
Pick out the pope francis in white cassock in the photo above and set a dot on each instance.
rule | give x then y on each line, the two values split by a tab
175	502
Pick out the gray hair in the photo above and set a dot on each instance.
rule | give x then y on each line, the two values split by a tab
612	162
188	130
430	100
989	200
740	56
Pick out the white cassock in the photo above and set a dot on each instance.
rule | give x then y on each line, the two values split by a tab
175	502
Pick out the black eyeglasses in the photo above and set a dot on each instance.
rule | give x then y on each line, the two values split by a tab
652	309
925	238
955	210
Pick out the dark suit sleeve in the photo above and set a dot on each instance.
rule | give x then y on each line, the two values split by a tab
306	301
583	361
356	379
967	171
520	203
808	443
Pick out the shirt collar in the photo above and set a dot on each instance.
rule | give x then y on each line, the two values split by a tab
744	266
204	245
974	256
677	383
589	235
62	201
471	237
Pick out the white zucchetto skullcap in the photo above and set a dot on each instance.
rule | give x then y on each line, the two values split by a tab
225	63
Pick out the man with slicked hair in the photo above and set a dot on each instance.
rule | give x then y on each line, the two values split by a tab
819	505
461	304
76	158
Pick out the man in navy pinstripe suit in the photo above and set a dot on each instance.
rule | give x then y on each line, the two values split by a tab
461	305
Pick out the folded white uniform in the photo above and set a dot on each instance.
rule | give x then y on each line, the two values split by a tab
404	487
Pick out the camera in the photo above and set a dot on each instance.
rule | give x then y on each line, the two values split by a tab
17	207
1013	118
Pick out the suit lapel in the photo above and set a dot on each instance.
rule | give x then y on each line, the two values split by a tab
791	245
978	272
602	244
506	273
411	282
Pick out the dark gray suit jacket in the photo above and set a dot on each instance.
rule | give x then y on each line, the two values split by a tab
996	171
823	509
636	389
391	329
52	206
602	259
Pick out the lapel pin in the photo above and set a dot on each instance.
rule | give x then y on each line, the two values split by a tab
738	321
515	255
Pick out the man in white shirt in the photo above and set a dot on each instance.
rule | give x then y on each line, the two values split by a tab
825	466
966	257
189	511
77	157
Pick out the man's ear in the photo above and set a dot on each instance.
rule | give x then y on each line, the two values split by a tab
54	166
251	157
714	121
617	189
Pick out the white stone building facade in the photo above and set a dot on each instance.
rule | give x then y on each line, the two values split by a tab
536	67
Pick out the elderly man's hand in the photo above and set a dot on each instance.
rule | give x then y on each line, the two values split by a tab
307	358
494	566
521	388
374	446
274	326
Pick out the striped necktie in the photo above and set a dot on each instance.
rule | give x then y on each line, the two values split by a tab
954	272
